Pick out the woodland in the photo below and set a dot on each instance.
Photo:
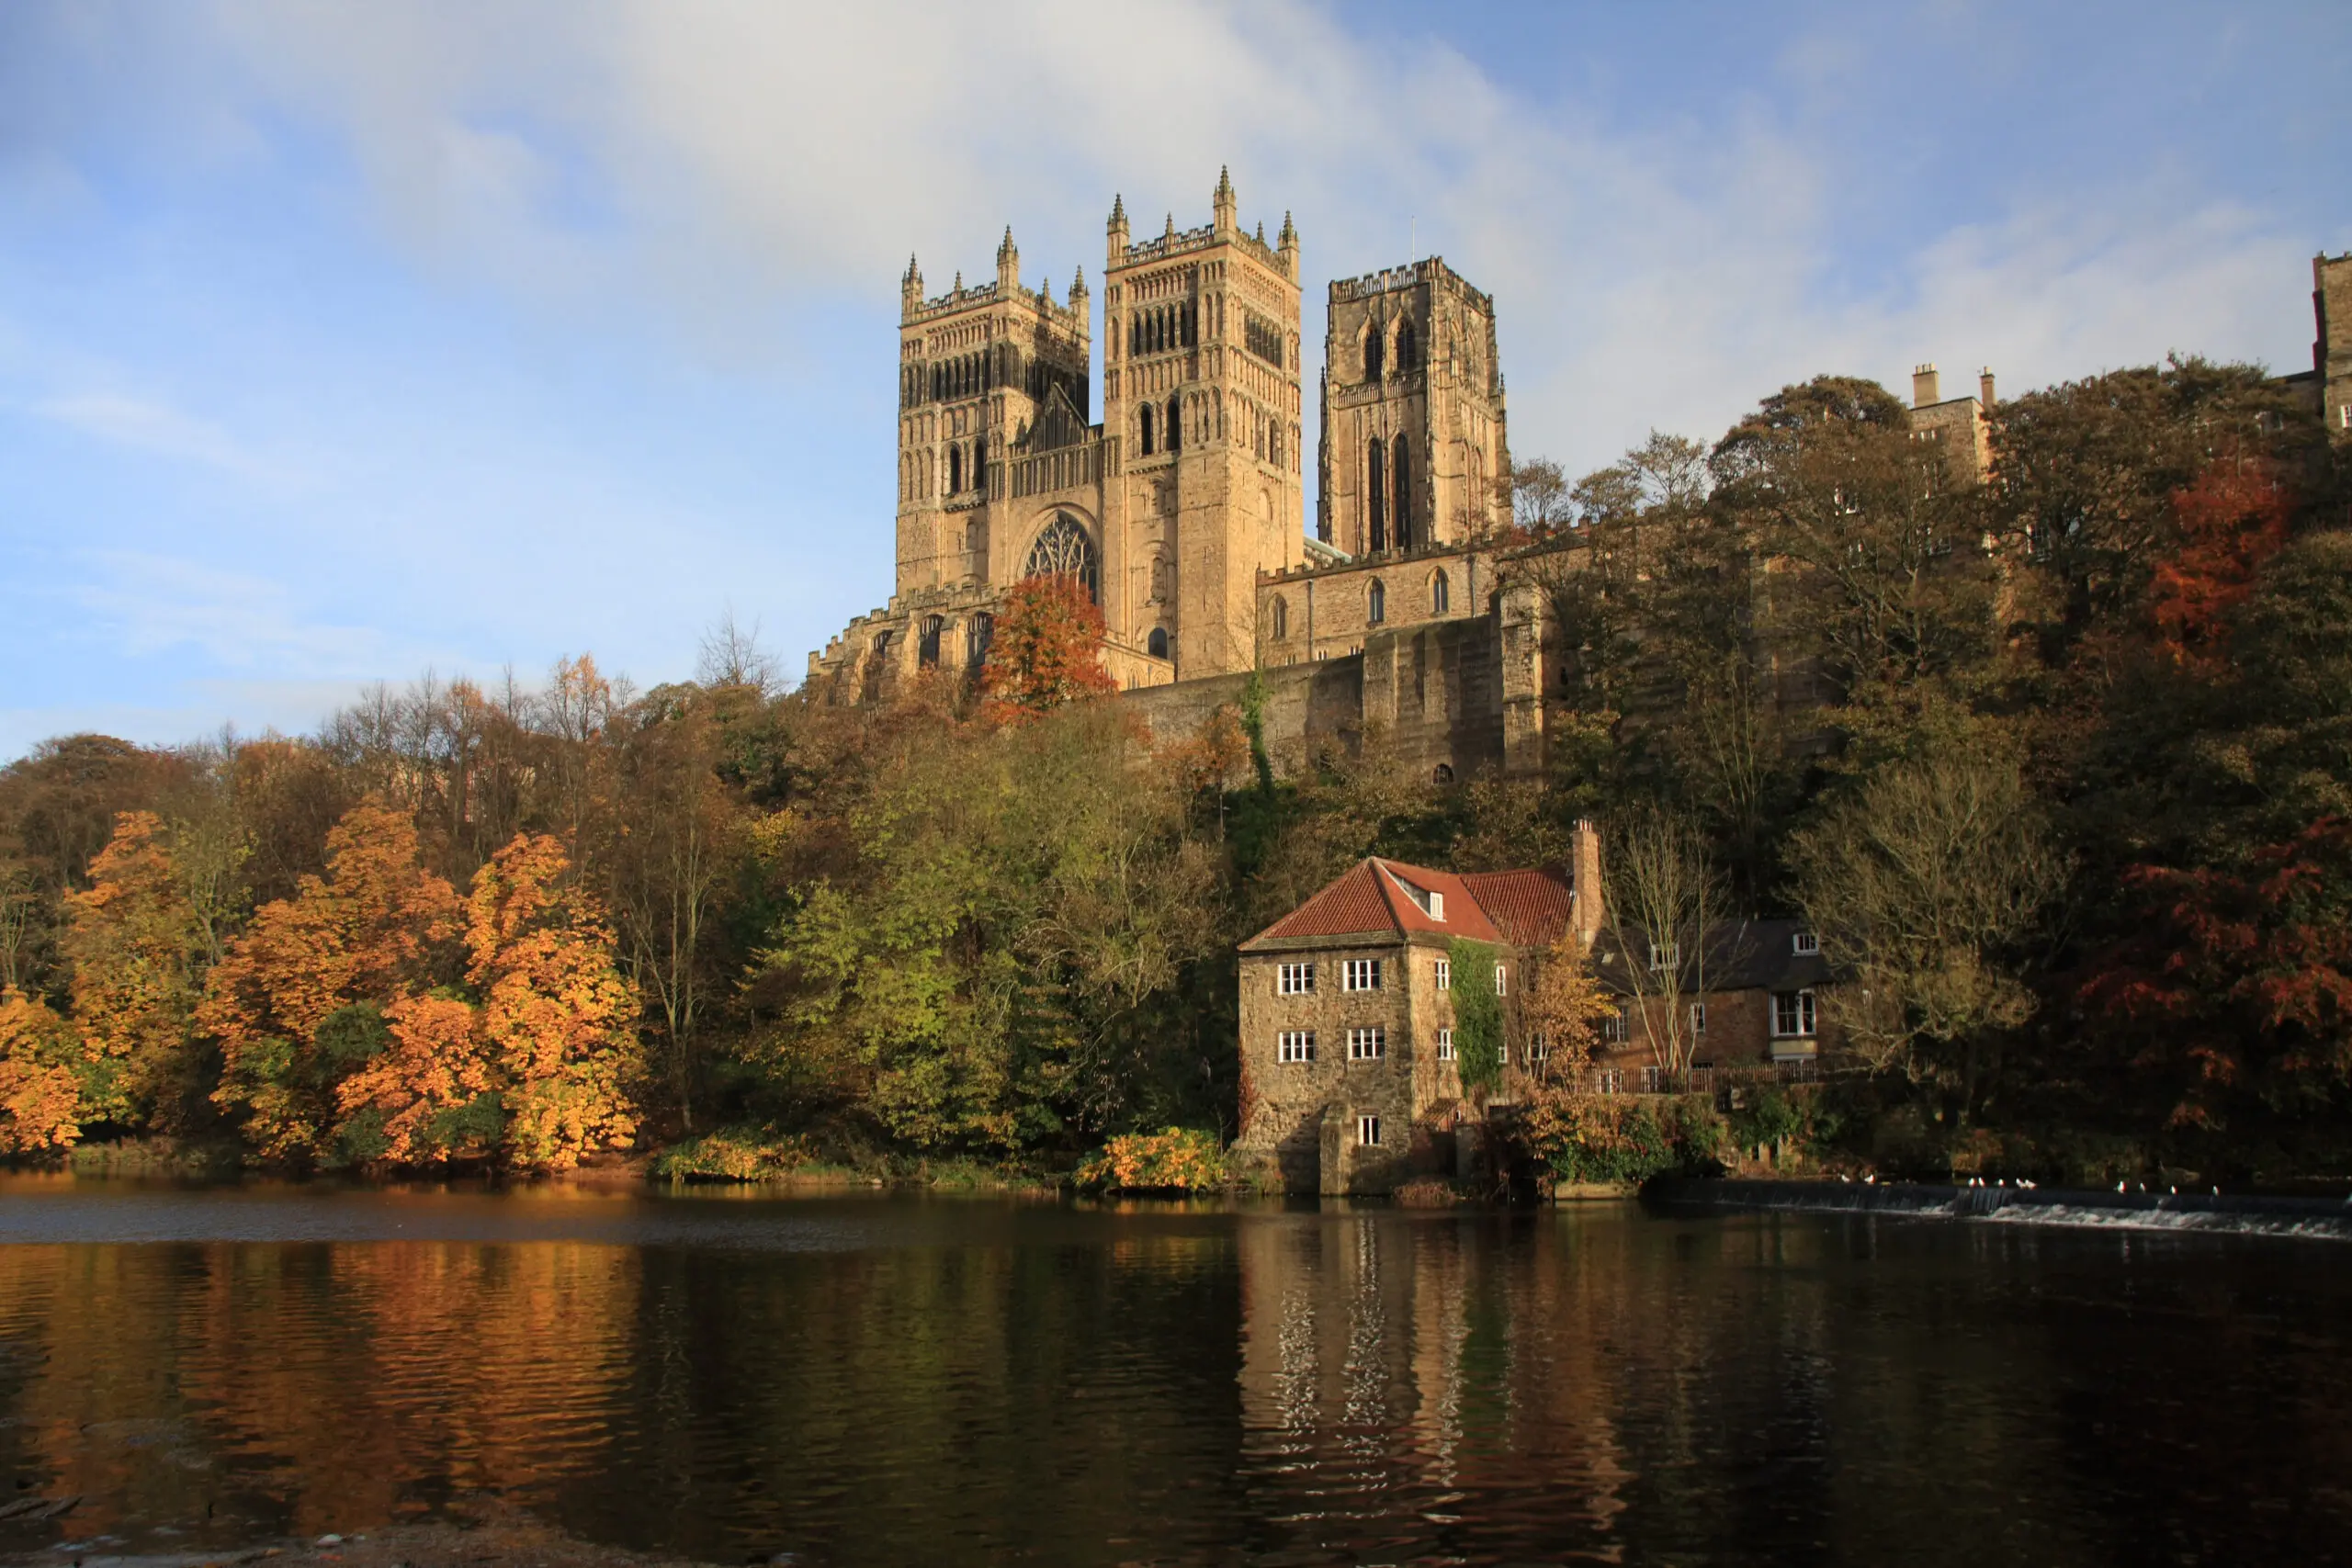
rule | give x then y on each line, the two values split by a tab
2059	766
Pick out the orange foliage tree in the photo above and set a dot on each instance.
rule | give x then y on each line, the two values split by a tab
1047	650
2232	519
543	1067
134	937
298	1001
40	1092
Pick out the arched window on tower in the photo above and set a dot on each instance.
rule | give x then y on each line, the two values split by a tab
1156	644
1404	495
981	466
1440	595
1375	496
1371	346
1176	423
1375	605
1282	620
927	651
954	469
1146	429
1408	350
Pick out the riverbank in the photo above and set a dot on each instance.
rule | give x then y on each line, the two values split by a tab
2317	1218
504	1541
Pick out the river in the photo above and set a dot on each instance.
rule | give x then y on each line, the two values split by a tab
895	1380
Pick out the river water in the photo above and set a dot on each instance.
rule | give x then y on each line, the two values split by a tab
874	1380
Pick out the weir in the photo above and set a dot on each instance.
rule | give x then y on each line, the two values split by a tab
2317	1218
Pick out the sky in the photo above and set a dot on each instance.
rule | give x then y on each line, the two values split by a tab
343	344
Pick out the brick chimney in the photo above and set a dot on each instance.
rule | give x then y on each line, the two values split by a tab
1985	389
1925	387
1584	868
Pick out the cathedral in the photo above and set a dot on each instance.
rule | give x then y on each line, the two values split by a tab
1181	505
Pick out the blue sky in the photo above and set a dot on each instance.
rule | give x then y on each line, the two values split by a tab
342	343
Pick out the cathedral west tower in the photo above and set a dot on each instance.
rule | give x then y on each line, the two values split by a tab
1200	405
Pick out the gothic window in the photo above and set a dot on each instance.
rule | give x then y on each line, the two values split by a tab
878	665
1063	549
1440	595
1404	495
1135	335
1146	429
1376	603
1281	619
954	469
927	651
1375	501
981	466
979	633
1157	645
1408	350
1371	346
1176	423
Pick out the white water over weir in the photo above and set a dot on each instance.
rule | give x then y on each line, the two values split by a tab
2317	1218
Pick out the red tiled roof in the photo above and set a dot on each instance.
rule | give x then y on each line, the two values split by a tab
1533	907
1369	899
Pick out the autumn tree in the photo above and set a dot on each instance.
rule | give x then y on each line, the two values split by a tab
43	1073
377	929
558	1016
1565	1007
137	945
1047	650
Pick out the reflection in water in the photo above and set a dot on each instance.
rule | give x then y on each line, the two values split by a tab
877	1381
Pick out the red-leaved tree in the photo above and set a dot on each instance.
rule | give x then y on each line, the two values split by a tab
2232	519
1047	651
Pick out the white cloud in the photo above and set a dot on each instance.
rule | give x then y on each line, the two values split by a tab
144	603
167	431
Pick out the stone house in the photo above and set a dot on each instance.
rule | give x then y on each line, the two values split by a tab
1348	1067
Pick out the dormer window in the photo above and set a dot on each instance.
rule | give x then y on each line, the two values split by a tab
1663	954
1804	944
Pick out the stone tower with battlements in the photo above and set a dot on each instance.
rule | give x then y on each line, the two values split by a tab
980	370
1415	452
1200	408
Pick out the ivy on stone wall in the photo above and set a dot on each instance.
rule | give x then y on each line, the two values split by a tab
1478	1016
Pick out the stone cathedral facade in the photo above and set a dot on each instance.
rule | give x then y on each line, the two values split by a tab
1183	500
1167	509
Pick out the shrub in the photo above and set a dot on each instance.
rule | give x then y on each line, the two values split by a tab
1176	1160
1620	1138
734	1154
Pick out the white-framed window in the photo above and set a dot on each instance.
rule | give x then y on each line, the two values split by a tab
1295	980
1698	1018
1295	1045
1616	1028
1537	1049
1445	974
1368	1131
1367	1044
1360	974
1792	1015
1652	1079
1445	1044
1609	1080
1502	981
1804	944
1663	954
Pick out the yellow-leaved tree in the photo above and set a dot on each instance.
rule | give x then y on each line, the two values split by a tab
40	1092
539	1070
558	1016
301	1001
135	943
